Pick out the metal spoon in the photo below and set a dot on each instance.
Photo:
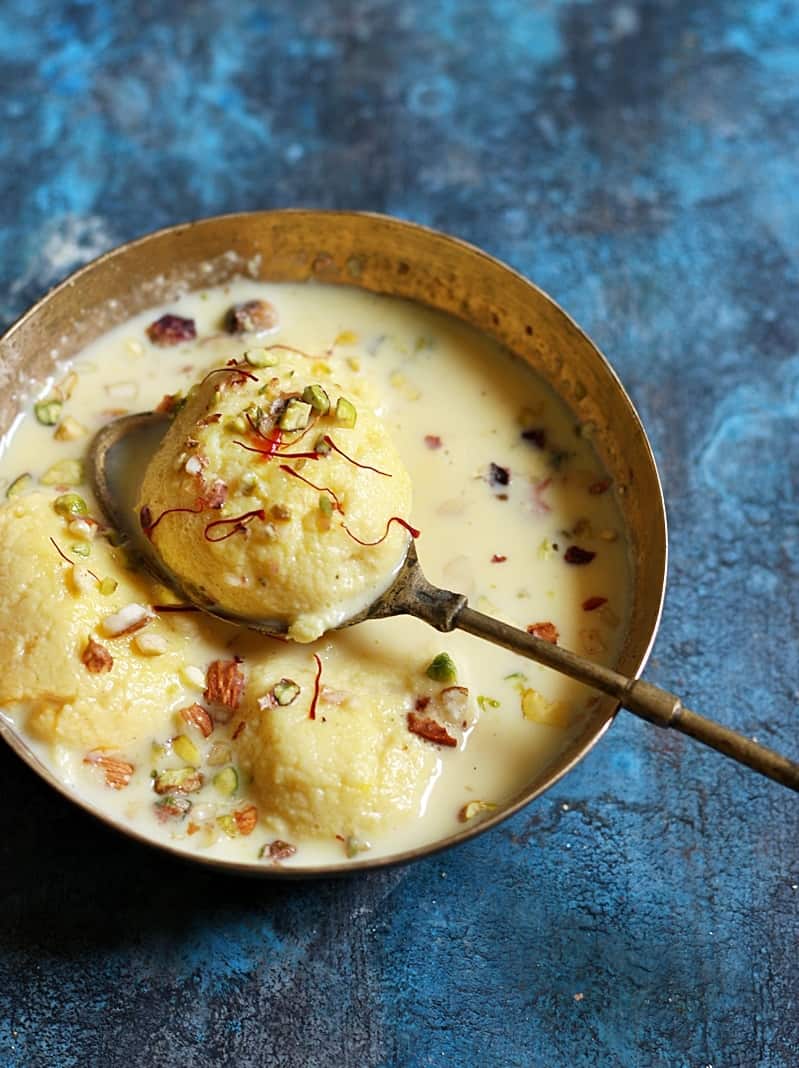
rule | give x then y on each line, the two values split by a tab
136	437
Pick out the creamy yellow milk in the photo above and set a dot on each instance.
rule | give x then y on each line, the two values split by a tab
365	742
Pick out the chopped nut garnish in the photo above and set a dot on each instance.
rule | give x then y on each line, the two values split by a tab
442	668
181	780
430	730
285	692
172	808
473	808
193	676
215	495
454	702
198	717
547	631
317	398
251	316
116	770
540	709
277	850
498	558
433	441
69	429
47	412
575	555
150	644
246	819
218	754
171	330
592	603
96	658
295	416
63	473
346	413
127	620
185	748
224	683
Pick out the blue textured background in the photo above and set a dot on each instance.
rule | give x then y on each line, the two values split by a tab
639	160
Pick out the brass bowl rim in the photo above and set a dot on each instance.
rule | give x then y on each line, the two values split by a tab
275	871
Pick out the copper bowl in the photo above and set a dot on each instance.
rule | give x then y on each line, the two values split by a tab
400	259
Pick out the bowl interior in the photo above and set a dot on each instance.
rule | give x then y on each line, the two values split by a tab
399	259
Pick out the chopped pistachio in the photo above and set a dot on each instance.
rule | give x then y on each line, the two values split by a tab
321	368
172	807
81	548
158	751
70	504
48	412
150	644
228	825
64	473
296	415
260	358
108	586
487	702
20	485
183	780
442	669
346	337
354	845
185	748
285	691
473	808
322	447
317	398
346	414
325	504
227	781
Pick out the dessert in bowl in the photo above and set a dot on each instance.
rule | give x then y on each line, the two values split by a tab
337	385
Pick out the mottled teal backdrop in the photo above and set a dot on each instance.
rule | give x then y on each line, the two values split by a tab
639	160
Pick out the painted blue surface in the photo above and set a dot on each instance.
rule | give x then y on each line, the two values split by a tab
639	160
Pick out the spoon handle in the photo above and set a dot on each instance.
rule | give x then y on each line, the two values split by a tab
647	701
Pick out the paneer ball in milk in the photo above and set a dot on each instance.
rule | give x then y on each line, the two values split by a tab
277	493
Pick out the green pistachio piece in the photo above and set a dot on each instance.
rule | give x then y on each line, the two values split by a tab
260	358
249	483
442	669
296	415
71	504
181	780
325	504
237	424
48	412
64	473
226	781
228	825
487	702
317	398
322	447
20	485
346	415
108	586
81	548
185	748
172	807
285	691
